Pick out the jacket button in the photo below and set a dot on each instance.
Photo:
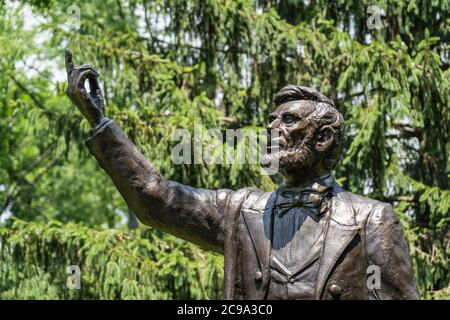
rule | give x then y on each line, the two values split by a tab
335	289
258	276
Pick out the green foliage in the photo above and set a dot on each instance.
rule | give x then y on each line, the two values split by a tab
169	64
139	264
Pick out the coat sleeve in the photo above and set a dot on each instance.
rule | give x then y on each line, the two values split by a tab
196	215
388	250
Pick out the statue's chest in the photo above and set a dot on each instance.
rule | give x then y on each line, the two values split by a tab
294	236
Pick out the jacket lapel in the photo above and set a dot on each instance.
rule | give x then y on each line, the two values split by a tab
340	231
258	221
235	203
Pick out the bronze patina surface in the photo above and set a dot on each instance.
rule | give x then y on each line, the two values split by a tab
309	239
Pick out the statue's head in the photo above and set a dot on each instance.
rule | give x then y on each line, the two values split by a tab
310	132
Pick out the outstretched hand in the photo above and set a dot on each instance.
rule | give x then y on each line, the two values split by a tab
91	104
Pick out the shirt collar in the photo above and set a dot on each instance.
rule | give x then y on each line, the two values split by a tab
320	185
312	194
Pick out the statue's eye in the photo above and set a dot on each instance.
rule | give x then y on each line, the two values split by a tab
290	119
271	118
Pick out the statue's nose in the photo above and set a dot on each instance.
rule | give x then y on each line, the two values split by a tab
274	136
273	131
275	124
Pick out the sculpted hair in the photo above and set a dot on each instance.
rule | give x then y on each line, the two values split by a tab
325	114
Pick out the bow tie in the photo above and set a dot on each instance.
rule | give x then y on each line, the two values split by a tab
292	198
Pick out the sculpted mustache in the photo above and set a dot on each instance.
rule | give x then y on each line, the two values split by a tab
296	155
292	156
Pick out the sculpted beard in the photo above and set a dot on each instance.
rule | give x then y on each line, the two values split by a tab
291	160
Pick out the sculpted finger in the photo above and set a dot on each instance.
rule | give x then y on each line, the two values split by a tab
100	100
69	62
95	92
83	75
94	85
87	67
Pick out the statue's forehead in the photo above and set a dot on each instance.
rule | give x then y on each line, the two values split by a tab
302	107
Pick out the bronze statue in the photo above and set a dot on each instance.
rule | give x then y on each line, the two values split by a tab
309	239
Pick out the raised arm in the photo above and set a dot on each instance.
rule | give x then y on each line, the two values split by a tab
196	215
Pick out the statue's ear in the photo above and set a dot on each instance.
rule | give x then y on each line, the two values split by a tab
325	138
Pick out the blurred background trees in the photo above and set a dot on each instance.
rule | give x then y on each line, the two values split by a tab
169	64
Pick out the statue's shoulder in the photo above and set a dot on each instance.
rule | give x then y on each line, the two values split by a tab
258	200
364	207
357	199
